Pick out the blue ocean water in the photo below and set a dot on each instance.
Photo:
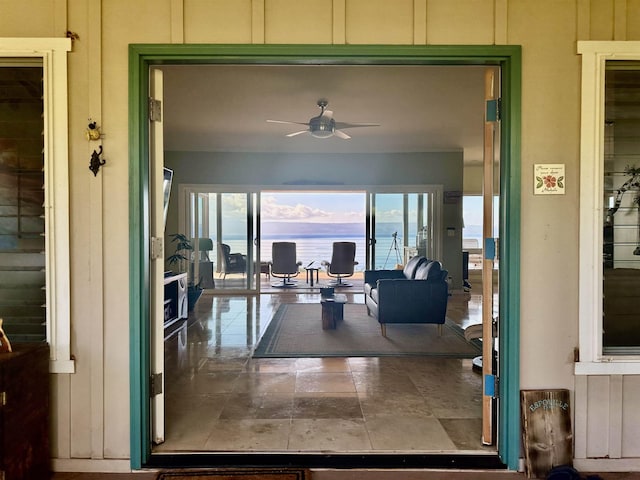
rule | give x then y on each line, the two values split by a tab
316	248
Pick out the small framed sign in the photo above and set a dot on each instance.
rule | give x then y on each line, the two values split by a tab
548	179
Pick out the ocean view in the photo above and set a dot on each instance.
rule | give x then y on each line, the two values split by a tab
316	248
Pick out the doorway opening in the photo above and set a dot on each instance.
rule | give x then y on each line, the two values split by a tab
502	58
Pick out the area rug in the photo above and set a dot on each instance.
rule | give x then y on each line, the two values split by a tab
296	331
237	474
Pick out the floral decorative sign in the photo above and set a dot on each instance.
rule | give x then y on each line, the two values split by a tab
548	179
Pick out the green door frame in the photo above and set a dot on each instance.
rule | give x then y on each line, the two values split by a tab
508	57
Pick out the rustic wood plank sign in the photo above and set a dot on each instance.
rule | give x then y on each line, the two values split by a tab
546	430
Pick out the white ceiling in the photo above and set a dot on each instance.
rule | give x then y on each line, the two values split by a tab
224	108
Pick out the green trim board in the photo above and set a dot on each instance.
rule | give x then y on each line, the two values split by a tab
509	324
142	57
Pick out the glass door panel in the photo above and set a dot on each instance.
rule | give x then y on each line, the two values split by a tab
402	225
313	220
222	225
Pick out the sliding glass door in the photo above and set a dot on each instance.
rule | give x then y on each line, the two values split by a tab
390	225
223	225
403	223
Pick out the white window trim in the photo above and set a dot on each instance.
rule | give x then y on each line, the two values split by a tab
53	52
592	361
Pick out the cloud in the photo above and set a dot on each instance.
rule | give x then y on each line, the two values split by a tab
271	210
234	204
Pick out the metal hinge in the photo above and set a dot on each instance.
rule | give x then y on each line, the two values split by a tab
489	248
155	387
155	110
494	110
491	386
3	399
157	248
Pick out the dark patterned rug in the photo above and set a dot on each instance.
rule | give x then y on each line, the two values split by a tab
237	474
296	331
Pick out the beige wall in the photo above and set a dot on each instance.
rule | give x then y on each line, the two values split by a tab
91	406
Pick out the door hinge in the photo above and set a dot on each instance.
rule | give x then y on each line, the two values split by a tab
155	110
494	110
491	386
3	399
489	248
155	387
157	248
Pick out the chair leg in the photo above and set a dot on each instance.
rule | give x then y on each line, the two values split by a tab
383	328
439	329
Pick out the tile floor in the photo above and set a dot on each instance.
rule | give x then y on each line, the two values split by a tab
219	399
214	386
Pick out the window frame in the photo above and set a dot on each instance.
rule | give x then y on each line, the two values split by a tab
592	359
53	54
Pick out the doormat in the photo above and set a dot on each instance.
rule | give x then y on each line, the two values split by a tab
237	474
296	331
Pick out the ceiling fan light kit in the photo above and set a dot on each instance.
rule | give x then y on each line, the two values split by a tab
324	125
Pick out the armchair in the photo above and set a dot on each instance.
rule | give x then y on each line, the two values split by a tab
342	263
230	262
417	294
284	264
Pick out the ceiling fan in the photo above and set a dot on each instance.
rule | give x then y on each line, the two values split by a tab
324	126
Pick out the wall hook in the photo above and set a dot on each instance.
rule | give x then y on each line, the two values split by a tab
95	163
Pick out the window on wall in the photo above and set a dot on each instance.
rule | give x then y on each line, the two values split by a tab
621	212
22	232
610	209
34	195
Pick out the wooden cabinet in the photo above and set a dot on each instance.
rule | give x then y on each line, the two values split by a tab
24	413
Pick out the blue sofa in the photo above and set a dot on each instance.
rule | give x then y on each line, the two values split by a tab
416	294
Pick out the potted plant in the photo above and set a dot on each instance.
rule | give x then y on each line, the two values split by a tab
182	256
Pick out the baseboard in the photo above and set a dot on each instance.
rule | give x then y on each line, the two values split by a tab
607	464
91	465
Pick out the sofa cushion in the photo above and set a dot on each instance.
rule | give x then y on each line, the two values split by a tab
375	295
431	270
412	265
368	287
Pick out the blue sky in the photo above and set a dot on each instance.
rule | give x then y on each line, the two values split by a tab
313	207
331	207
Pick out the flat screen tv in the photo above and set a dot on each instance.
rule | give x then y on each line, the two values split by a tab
166	191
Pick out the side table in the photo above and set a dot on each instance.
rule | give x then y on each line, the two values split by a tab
310	272
332	310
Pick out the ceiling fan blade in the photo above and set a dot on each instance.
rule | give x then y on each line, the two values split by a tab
341	134
327	114
288	123
354	125
297	133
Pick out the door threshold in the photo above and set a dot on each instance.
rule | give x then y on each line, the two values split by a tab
460	461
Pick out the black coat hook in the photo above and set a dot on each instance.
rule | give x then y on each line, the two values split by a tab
95	162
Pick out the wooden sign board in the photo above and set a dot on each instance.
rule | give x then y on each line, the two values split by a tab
546	430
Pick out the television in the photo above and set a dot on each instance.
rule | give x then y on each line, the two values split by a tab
166	192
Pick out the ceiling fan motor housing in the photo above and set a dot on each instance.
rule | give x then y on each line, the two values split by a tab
322	126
